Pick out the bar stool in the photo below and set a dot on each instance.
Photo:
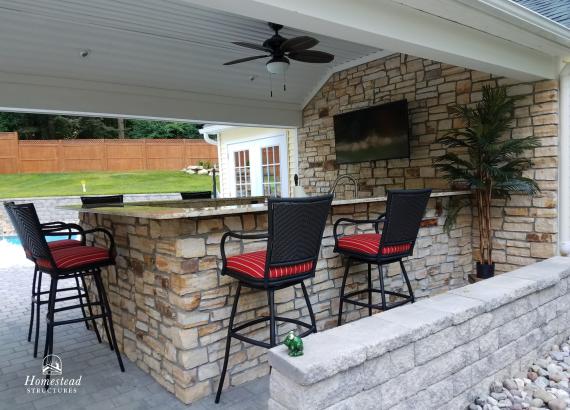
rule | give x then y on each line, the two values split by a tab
102	200
401	223
48	229
73	262
196	195
295	231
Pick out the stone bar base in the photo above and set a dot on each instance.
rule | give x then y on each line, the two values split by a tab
440	352
172	307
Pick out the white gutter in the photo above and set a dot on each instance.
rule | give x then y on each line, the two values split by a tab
210	140
214	129
564	158
523	17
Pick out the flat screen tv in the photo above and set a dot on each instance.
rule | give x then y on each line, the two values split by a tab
379	132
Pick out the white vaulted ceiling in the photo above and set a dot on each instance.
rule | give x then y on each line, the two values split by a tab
166	44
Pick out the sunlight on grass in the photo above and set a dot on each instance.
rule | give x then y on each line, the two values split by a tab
99	183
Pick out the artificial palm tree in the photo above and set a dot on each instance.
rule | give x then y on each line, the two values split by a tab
483	156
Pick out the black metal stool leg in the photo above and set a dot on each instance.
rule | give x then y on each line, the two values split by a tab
103	307
37	307
408	284
113	340
272	323
308	302
228	344
90	309
369	289
382	291
80	297
50	317
348	261
32	303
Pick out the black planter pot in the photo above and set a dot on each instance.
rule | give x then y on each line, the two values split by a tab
485	271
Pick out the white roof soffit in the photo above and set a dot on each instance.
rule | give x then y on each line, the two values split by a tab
164	59
151	59
451	31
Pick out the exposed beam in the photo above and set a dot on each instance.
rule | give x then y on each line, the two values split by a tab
55	95
393	26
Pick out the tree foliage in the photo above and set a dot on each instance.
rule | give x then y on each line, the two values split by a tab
161	129
50	127
483	156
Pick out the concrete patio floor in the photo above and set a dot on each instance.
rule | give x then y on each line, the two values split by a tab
103	386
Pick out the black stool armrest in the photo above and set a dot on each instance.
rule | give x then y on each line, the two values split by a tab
54	224
57	228
241	236
107	234
374	222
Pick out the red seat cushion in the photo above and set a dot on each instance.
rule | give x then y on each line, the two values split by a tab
76	257
369	244
64	243
253	264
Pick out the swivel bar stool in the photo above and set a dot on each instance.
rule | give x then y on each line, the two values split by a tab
48	229
74	262
401	223
295	231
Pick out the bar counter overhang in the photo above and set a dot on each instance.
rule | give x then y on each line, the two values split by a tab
171	306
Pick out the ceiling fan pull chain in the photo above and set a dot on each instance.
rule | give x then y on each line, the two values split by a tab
270	85
285	81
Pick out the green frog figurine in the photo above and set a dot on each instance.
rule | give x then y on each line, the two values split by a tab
294	343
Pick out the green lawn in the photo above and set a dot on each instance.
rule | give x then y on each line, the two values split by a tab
98	183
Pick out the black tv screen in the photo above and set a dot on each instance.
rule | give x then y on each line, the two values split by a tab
379	132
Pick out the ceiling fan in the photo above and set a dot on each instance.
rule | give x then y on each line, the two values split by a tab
281	50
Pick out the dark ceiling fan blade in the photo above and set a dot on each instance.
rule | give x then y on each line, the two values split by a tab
243	60
251	45
311	56
299	43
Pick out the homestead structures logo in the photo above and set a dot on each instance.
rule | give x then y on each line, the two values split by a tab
52	366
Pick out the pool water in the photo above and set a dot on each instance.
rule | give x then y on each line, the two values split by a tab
14	240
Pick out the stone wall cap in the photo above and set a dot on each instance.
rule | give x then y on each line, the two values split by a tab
461	308
497	291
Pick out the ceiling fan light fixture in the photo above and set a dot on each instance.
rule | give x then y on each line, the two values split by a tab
278	65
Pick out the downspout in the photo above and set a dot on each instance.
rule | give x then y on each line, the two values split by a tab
564	159
212	141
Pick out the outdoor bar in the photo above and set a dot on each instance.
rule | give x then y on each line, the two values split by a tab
171	306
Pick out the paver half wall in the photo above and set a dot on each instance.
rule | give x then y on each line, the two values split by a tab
437	353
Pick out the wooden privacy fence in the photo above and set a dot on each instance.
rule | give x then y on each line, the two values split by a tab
100	154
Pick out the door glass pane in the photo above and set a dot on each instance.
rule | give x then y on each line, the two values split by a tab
243	173
271	171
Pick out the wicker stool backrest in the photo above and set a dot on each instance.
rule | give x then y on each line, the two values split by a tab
196	195
33	237
101	200
9	207
296	228
405	209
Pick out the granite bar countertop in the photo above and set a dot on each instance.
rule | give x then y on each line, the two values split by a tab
207	208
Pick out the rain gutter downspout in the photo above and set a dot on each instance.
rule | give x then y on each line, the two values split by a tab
564	158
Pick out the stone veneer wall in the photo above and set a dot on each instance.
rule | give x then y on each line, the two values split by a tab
439	353
525	228
171	306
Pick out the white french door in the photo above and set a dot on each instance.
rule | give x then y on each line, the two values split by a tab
259	167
